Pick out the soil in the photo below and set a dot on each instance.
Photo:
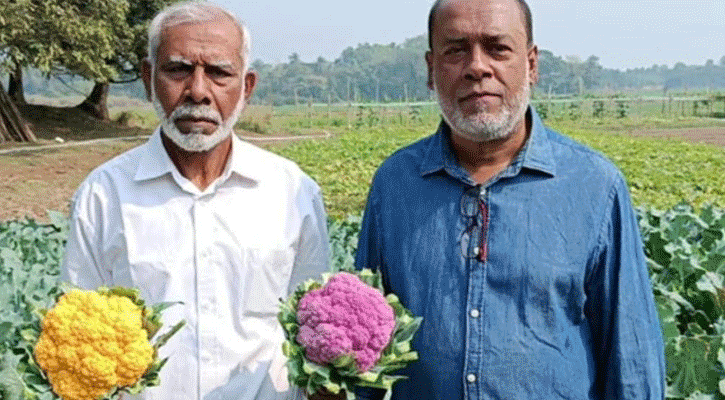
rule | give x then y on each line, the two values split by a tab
712	135
35	180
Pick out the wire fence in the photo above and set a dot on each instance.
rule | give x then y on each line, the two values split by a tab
573	108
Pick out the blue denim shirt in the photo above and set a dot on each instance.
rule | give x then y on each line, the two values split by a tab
560	308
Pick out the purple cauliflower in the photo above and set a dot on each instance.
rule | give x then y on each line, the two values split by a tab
345	317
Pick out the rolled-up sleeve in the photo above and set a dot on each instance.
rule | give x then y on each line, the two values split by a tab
627	337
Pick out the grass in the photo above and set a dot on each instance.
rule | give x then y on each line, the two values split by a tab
344	165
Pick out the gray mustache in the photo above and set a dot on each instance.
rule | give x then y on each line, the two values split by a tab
196	111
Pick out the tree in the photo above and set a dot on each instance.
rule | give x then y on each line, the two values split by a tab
130	52
553	73
59	36
576	73
16	45
15	32
592	72
100	40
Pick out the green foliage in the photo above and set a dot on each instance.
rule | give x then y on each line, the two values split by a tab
342	374
344	165
598	109
661	172
16	33
343	241
622	108
686	254
542	108
100	40
30	256
684	245
575	111
366	117
685	251
377	72
251	126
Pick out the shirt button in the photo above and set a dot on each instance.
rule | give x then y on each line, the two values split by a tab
475	313
205	356
471	378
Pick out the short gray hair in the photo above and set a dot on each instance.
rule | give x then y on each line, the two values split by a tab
193	12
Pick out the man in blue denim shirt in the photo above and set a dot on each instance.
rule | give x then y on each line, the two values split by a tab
518	246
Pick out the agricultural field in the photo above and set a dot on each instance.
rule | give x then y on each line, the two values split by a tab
673	165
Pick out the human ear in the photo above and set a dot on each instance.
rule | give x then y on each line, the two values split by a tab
429	63
533	61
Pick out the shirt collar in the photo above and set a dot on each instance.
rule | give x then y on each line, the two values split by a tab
536	155
154	162
244	160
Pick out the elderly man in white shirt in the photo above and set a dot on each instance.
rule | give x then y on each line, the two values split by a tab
196	215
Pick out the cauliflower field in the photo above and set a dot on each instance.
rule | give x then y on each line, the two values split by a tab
685	250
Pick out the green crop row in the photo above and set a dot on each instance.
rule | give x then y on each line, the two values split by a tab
660	172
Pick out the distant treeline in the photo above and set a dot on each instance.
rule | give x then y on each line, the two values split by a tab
397	72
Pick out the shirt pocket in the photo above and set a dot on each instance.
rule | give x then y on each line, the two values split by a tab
266	278
152	279
552	301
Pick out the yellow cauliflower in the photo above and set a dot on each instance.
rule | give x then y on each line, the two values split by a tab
92	342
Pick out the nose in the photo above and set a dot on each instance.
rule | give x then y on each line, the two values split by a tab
197	90
479	65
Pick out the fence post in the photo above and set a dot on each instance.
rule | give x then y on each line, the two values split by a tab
329	108
349	110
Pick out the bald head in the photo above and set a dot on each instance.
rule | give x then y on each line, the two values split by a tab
523	8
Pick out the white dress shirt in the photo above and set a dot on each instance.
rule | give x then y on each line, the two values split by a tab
229	253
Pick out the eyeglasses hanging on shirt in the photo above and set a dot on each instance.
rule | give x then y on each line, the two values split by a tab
475	210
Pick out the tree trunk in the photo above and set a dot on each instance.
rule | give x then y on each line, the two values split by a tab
96	103
12	126
15	86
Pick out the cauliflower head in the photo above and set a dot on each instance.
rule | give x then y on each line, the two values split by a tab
92	342
345	317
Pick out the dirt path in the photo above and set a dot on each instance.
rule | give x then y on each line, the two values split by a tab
36	181
713	135
40	178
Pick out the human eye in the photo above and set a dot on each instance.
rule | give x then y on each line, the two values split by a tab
177	70
454	49
455	52
218	73
499	49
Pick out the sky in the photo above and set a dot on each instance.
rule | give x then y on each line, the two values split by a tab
622	33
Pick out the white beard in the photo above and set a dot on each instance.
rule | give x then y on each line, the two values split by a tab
196	141
484	126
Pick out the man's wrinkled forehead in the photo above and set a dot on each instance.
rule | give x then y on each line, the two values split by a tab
192	42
